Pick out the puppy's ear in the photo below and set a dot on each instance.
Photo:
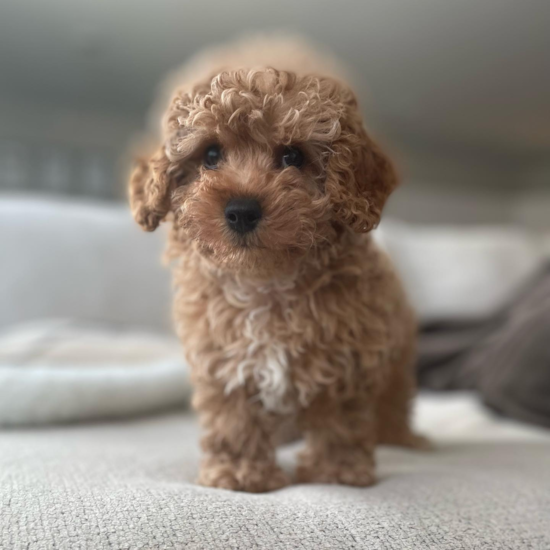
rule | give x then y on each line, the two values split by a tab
360	177
149	190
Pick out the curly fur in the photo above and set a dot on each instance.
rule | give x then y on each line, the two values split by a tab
304	317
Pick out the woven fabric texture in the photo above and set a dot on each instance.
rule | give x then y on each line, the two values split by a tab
128	485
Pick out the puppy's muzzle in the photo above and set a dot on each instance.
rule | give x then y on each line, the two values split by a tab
243	215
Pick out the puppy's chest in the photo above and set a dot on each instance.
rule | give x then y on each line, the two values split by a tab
265	345
284	345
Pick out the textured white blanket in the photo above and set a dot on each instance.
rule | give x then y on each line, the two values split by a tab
63	371
129	485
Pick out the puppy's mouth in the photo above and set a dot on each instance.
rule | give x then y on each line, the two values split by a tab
250	241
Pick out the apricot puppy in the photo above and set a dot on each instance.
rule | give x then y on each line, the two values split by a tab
283	303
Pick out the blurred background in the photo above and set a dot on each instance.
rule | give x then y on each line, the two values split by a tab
458	91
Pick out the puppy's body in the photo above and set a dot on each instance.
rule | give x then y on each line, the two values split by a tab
301	316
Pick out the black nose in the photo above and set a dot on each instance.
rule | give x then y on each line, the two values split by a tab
243	215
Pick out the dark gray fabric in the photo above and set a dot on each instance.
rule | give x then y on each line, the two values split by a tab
442	350
507	358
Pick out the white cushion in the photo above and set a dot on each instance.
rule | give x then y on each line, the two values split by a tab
62	370
83	260
460	272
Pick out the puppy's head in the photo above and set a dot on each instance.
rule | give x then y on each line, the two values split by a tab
261	167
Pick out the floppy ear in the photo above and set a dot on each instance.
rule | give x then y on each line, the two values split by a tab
360	177
149	190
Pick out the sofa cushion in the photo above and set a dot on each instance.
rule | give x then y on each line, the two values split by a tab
81	260
130	485
461	273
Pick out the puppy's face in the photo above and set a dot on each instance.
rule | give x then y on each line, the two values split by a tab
260	168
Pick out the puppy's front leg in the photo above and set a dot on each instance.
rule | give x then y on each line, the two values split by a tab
340	441
239	453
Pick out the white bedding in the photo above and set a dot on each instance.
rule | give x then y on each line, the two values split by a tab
456	417
63	371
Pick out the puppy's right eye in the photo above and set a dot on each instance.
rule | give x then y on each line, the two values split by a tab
292	156
212	157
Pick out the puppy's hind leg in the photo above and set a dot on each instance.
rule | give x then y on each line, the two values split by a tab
393	411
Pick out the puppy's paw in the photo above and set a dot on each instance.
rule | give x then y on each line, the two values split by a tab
260	477
355	472
242	475
218	473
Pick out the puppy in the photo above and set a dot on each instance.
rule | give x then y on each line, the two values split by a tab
284	305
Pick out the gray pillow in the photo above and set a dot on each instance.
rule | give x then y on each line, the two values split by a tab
506	358
512	366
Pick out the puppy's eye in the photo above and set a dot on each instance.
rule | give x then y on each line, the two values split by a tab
292	156
212	157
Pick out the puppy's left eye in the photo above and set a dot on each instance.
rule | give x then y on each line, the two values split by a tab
212	157
292	156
